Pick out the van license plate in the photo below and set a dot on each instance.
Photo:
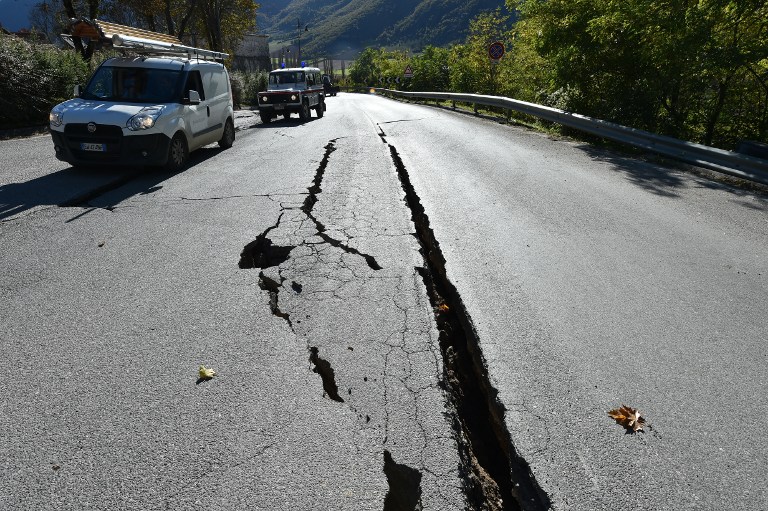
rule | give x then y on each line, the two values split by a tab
93	147
279	107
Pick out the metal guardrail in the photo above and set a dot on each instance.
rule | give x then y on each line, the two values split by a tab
728	162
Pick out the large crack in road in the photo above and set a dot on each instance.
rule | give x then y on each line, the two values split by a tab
500	480
399	381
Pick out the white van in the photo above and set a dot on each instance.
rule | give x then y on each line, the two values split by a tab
146	110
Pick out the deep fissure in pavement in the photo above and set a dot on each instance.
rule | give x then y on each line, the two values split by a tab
404	492
324	369
497	478
261	253
273	288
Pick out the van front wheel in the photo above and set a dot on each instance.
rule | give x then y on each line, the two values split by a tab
228	137
178	153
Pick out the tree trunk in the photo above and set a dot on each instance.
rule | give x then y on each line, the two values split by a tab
714	117
86	52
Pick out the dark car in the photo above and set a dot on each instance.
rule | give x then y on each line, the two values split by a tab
328	87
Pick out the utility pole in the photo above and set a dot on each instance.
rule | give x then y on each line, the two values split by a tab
298	31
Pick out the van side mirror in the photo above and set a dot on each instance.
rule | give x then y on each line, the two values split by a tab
194	98
77	91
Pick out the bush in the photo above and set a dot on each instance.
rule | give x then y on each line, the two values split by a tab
246	87
38	77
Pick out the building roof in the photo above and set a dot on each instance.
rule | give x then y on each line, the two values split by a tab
104	30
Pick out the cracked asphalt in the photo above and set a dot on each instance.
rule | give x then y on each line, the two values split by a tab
112	303
293	266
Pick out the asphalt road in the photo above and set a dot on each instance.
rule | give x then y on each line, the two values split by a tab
596	280
288	264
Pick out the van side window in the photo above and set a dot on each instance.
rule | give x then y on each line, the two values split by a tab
194	82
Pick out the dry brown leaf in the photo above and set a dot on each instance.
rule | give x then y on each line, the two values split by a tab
628	417
443	307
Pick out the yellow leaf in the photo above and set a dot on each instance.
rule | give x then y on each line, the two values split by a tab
206	374
628	417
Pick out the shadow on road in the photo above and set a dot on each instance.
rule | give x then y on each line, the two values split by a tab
664	179
281	123
76	186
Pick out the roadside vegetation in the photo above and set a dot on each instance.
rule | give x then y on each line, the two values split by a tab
691	70
246	87
35	78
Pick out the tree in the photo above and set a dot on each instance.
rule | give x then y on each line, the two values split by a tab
684	68
71	8
225	22
365	71
484	30
430	70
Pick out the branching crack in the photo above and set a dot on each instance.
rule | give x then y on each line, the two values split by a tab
496	478
311	200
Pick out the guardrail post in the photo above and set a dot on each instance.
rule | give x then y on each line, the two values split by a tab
475	108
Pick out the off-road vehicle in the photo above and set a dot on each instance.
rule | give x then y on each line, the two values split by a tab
292	90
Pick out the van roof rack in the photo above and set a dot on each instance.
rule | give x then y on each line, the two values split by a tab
125	38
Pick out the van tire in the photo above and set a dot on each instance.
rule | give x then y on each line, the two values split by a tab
304	112
178	153
265	118
320	109
228	137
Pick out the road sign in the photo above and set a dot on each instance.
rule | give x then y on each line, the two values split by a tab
496	50
408	72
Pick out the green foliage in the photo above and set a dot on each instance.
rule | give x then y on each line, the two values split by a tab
38	77
693	70
431	70
366	70
246	87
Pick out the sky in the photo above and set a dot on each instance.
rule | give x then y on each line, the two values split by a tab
14	14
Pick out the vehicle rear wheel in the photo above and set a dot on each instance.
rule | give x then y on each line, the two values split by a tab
265	118
287	115
320	108
178	153
304	112
228	137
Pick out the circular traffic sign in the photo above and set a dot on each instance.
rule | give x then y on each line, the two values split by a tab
496	50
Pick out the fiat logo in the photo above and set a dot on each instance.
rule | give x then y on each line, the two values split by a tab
91	127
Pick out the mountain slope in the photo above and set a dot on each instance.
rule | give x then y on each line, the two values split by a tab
344	27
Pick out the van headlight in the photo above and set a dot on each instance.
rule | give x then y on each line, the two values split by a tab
293	97
145	119
56	118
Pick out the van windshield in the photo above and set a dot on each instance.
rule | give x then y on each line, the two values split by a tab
134	85
285	77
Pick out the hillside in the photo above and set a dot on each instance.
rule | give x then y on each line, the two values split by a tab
344	27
